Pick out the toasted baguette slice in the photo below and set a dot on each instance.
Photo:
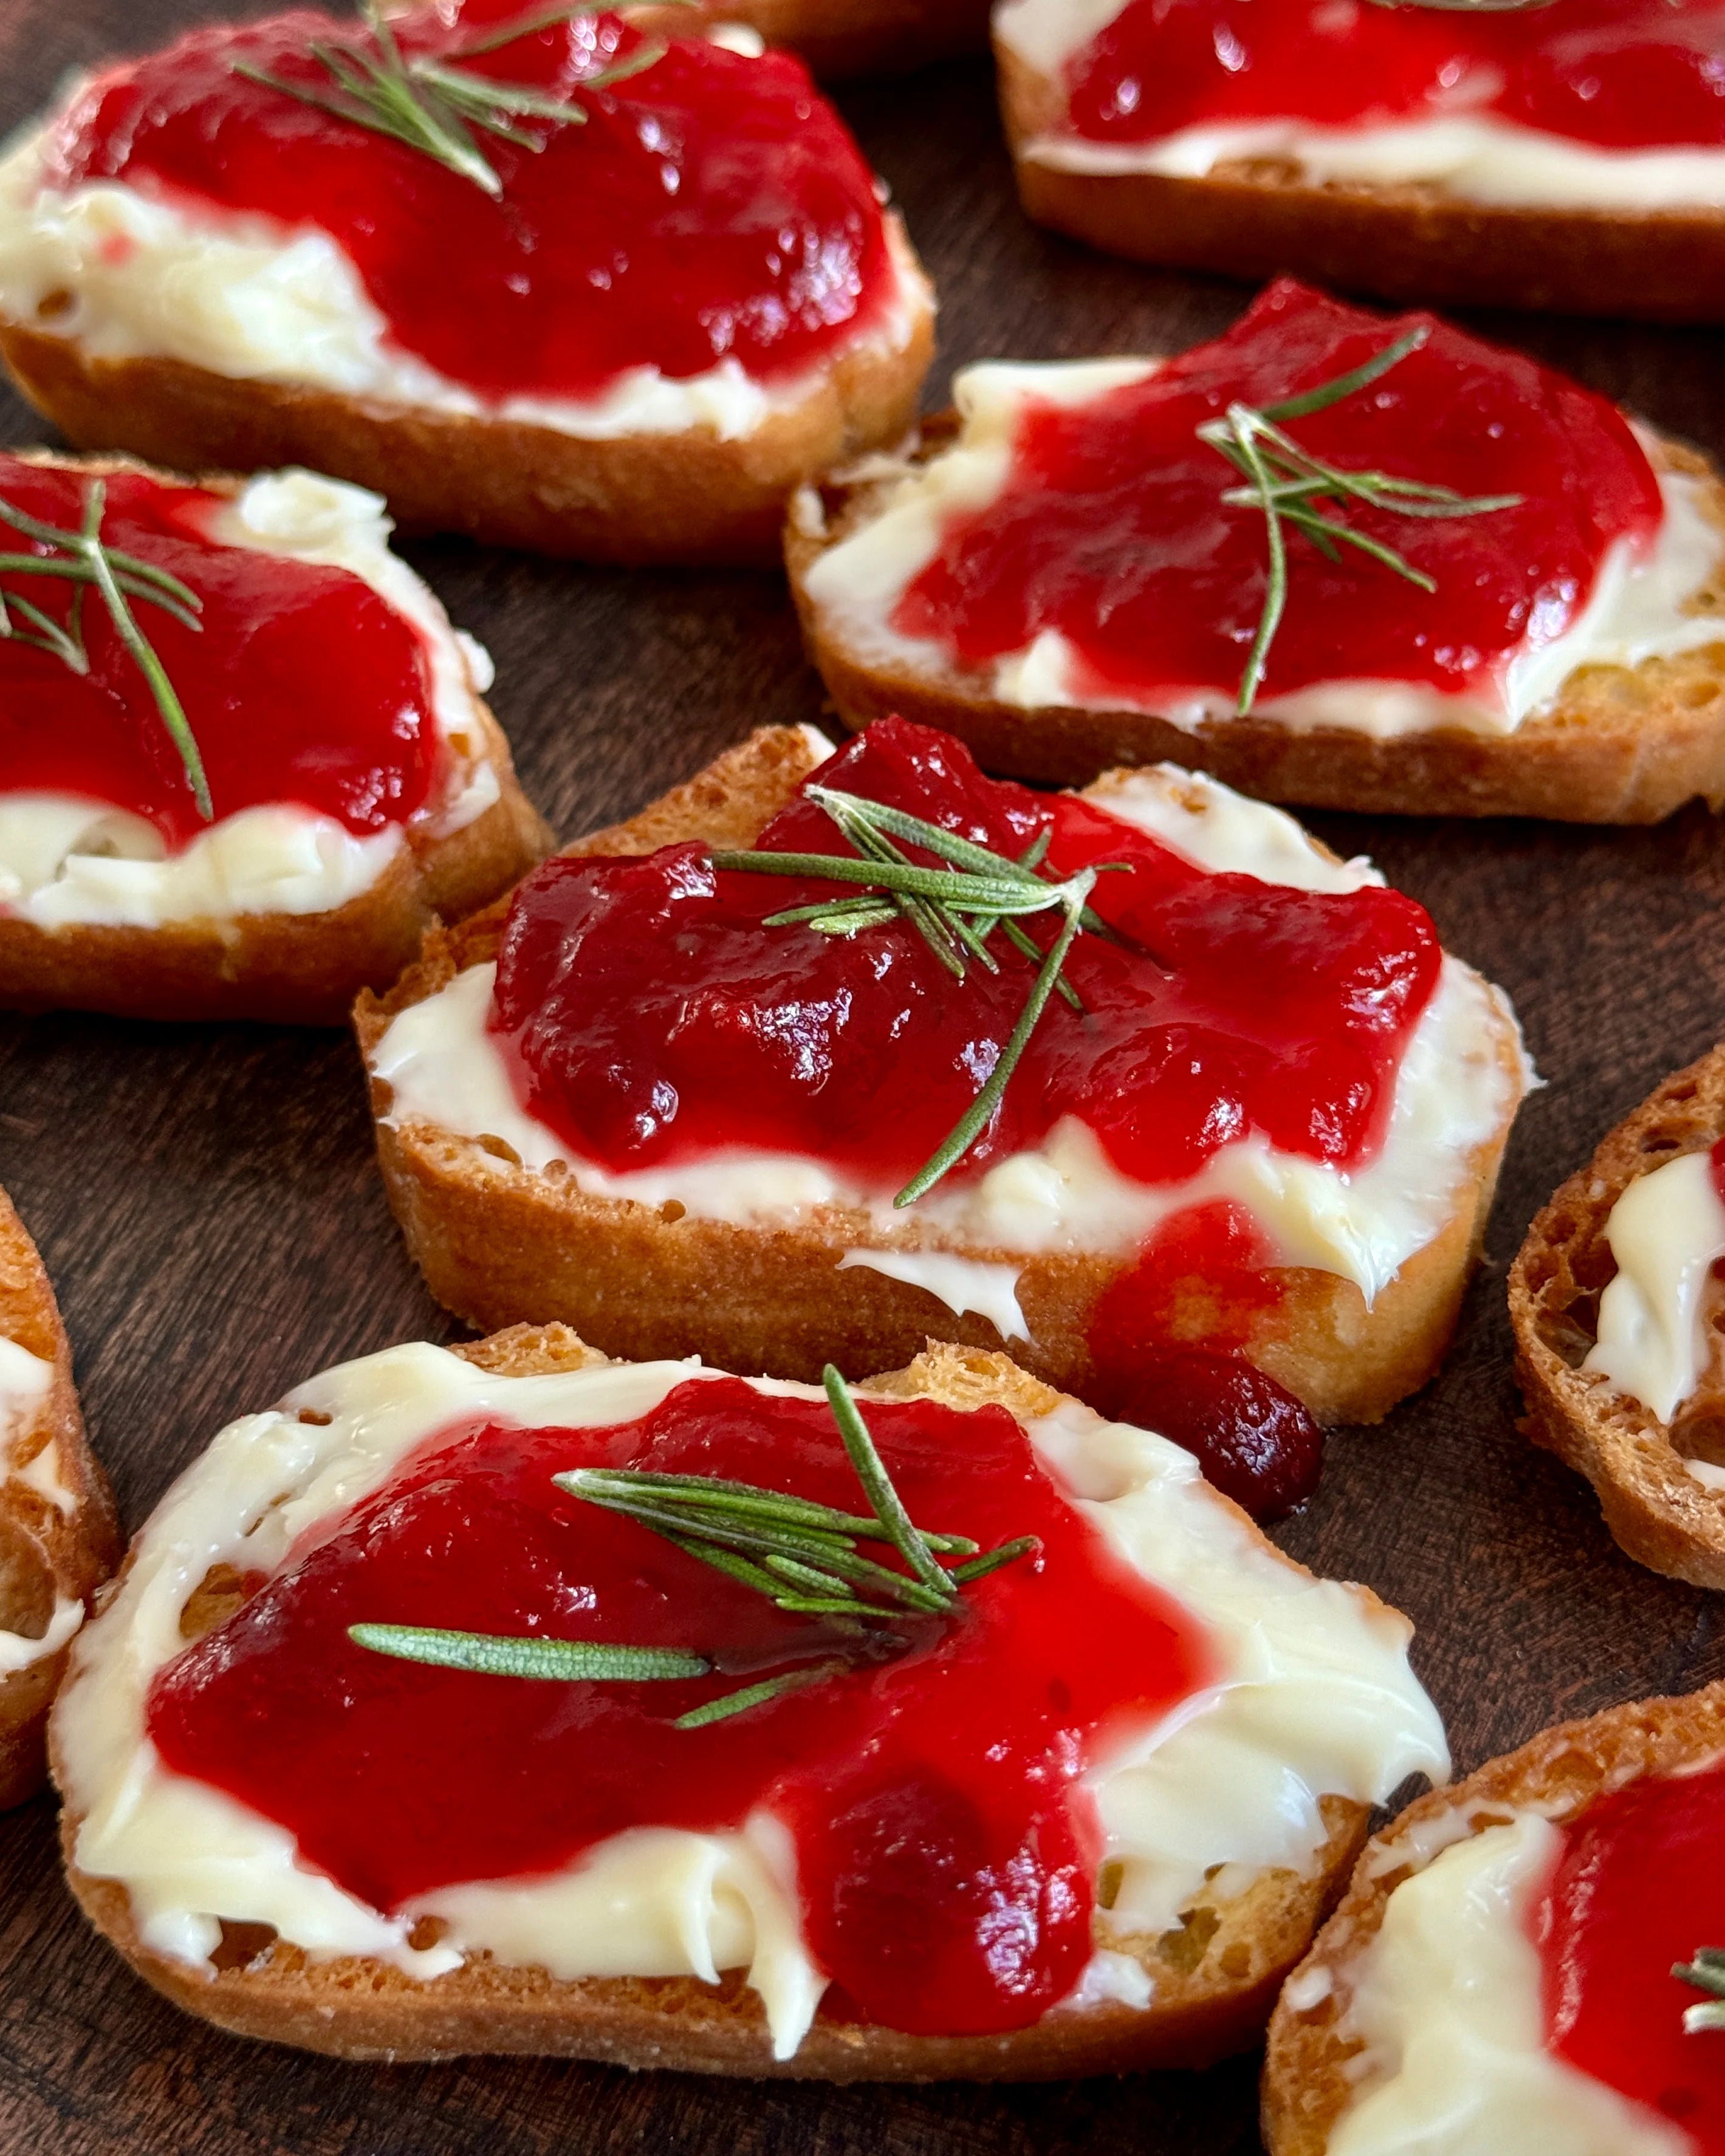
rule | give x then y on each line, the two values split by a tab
1311	2074
1262	217
839	37
285	968
1659	1511
1620	745
60	1539
499	1245
1215	1978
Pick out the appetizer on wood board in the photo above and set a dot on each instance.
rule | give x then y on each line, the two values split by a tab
825	1054
1527	1961
551	281
939	1729
244	760
1568	156
1335	559
59	1537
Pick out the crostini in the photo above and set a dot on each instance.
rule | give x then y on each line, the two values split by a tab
556	283
1114	1073
1528	1962
1568	157
59	1537
731	1796
1335	559
1618	1309
244	760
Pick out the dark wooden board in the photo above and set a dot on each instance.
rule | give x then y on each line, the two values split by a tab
207	1202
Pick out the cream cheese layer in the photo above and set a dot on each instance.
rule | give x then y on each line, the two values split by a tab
1461	1079
1640	607
26	1386
1316	1697
1667	1233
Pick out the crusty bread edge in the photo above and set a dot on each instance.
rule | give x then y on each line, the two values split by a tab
352	2008
1307	2084
498	1245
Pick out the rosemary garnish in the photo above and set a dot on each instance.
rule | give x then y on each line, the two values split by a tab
954	909
433	106
80	558
801	1555
1707	1972
1288	483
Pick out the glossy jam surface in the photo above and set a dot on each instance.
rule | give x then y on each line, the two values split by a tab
944	1855
1638	1887
648	1015
712	206
1112	529
302	685
1717	1157
1618	74
1254	1441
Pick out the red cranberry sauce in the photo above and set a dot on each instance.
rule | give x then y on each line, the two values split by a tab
1619	74
944	1854
303	685
1638	1887
1111	527
1716	1158
648	1016
712	206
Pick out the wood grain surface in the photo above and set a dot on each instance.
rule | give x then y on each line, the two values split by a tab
207	1205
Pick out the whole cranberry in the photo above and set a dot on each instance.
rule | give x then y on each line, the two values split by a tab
1254	1441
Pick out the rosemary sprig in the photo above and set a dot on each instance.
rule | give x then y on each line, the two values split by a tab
801	1555
1707	1972
80	558
1289	484
434	105
955	909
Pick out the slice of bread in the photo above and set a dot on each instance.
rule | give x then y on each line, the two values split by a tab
1214	1975
499	1244
1311	2072
1619	745
1255	217
60	1539
1659	1511
841	38
284	968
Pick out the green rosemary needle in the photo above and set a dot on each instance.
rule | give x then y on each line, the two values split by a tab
1707	1972
433	106
558	1660
1288	483
81	558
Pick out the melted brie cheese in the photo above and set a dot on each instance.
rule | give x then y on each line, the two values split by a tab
66	859
1316	1697
1460	1080
1639	607
1667	1233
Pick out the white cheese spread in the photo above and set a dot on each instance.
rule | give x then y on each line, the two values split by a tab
245	296
1460	1078
1638	609
1667	1233
26	1382
1448	2000
1314	1696
68	860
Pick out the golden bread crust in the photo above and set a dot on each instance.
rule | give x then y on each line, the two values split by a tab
839	37
45	1553
686	497
1620	745
1654	1507
499	1244
1215	1974
1254	218
303	969
1307	2081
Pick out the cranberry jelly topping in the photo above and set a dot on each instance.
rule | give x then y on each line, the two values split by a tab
302	685
1717	1158
648	1015
944	1855
1637	1888
1111	527
712	207
1619	74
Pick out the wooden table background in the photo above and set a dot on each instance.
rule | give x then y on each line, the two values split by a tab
207	1202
